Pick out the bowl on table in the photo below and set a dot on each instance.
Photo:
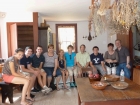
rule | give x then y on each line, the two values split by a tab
111	78
92	79
99	85
119	85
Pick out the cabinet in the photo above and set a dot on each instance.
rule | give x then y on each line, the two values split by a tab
44	38
136	76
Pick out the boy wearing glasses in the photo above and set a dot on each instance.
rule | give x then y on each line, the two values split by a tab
71	64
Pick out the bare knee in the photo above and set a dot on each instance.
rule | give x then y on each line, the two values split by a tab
43	74
26	81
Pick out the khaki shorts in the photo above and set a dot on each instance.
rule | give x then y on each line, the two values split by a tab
72	71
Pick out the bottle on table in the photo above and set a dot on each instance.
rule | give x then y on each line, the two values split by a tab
122	75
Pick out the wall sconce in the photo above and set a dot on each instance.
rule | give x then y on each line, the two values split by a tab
89	37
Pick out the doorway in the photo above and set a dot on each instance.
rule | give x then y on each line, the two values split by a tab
66	34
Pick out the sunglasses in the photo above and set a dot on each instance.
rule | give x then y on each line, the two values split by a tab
70	56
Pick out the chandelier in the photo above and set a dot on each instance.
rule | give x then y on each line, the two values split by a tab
117	16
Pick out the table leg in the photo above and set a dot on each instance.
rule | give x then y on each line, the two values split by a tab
79	101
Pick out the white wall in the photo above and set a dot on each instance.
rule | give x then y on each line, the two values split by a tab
12	17
82	30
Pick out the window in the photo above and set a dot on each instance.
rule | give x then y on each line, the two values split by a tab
66	35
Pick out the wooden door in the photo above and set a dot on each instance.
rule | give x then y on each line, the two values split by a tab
127	41
13	38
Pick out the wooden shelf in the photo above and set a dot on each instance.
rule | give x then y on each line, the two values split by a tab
43	28
25	36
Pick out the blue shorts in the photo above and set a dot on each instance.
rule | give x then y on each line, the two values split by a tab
49	71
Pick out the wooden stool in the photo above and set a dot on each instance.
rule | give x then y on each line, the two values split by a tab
7	91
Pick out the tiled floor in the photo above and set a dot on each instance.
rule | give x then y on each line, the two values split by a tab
62	97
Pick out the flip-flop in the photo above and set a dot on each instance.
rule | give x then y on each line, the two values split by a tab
30	99
29	103
58	89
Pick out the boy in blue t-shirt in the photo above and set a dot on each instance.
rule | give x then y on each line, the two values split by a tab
71	64
97	61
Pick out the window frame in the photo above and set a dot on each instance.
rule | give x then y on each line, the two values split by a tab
57	40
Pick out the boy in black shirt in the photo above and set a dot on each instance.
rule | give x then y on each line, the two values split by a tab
97	61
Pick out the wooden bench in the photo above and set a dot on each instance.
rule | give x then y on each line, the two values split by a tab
85	70
7	91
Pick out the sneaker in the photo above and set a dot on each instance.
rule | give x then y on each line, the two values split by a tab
43	91
47	89
72	85
34	91
75	84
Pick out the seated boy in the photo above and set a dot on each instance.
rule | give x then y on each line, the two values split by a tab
97	62
37	63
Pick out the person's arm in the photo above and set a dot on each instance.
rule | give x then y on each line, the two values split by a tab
117	58
12	68
106	58
41	65
59	66
88	61
128	62
92	66
65	64
79	65
103	65
55	66
77	61
87	64
29	69
127	58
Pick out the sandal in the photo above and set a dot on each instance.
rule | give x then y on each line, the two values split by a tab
66	87
30	99
57	88
29	103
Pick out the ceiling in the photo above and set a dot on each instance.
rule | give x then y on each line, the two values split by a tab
52	10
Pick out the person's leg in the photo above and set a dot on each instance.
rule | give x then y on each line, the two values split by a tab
127	72
75	75
49	74
43	74
40	80
79	72
66	77
100	69
70	71
108	70
63	77
58	74
32	81
25	82
114	70
118	70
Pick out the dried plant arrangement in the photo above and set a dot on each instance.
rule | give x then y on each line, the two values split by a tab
121	16
105	4
124	13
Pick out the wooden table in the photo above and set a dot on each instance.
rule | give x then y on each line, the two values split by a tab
110	96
